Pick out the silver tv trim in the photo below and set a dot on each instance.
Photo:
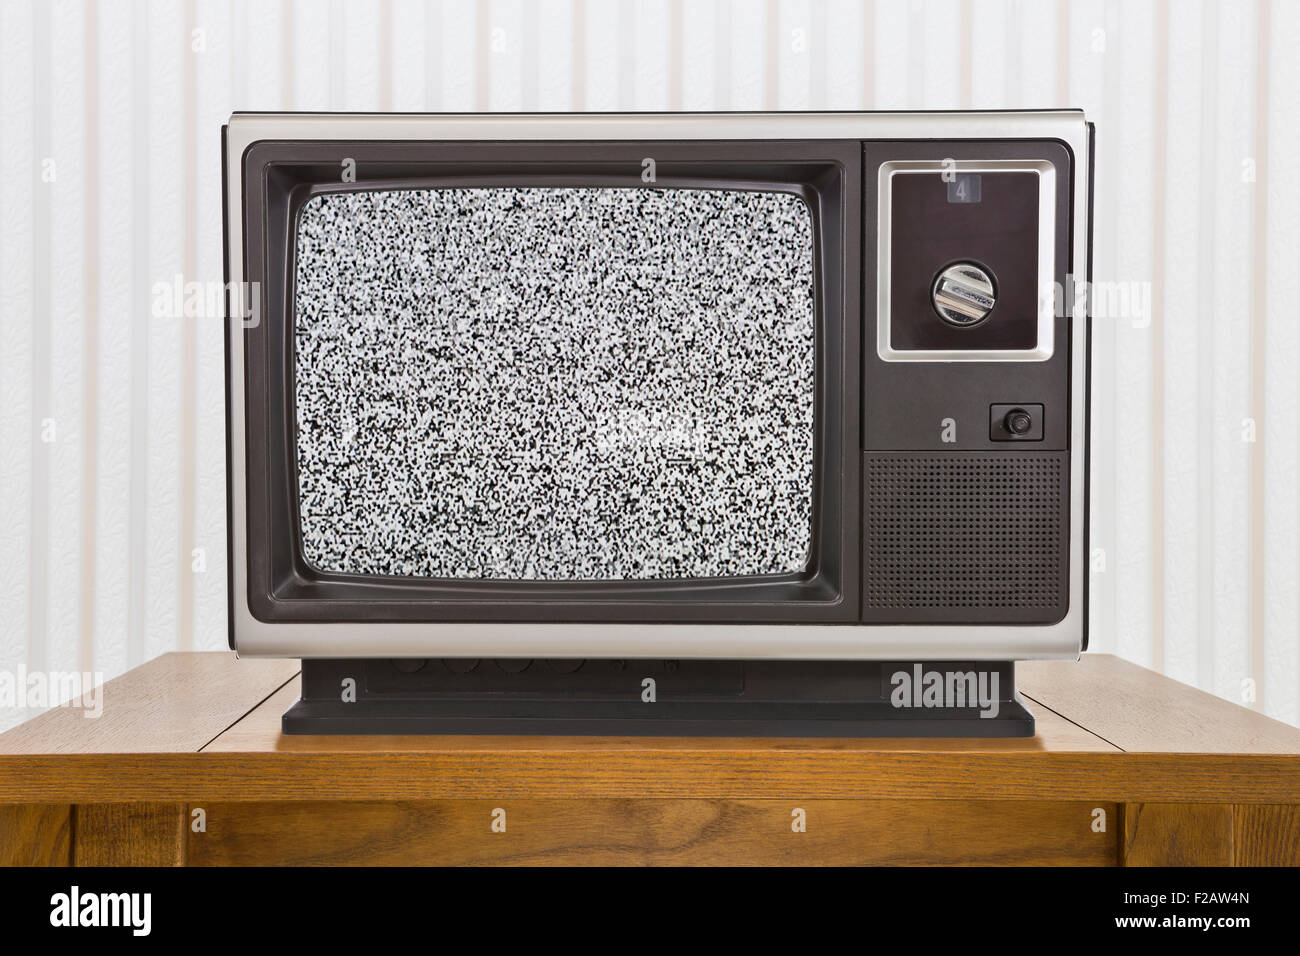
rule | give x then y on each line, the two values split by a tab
1059	641
1046	173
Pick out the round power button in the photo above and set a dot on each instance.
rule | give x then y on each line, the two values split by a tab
1018	421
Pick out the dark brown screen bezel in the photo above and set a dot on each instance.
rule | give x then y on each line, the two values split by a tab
279	177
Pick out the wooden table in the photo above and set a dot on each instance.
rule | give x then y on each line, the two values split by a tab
1128	767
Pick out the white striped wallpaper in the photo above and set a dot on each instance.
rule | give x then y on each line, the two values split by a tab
111	453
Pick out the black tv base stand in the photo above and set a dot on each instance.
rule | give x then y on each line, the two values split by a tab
660	698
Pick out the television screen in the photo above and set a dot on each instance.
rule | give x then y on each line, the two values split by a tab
551	384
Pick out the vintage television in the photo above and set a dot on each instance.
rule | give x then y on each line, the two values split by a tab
720	424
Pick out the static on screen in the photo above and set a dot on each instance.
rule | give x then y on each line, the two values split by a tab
555	383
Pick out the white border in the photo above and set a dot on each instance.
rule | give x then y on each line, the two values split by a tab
735	641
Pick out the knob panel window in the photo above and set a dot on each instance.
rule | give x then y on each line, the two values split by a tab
966	274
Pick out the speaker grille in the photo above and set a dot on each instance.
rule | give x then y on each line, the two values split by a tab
978	537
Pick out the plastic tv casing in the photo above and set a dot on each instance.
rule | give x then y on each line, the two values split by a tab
943	540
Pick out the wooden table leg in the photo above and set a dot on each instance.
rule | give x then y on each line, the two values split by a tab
1211	834
1177	834
1266	835
35	834
130	834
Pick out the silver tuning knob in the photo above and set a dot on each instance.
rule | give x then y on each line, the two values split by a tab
963	294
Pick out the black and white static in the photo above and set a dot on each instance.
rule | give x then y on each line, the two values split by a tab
555	383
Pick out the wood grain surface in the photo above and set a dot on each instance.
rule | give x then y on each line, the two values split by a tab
35	834
1178	834
1139	710
1179	775
130	834
197	699
176	703
1265	835
652	774
654	832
